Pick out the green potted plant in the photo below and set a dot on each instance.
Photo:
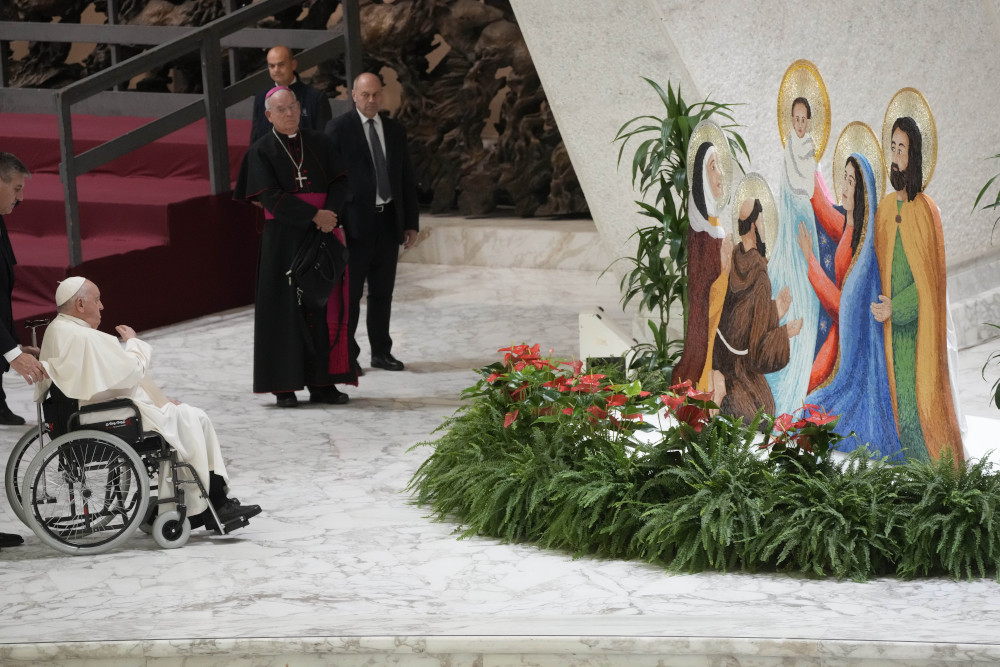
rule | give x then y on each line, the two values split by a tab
657	276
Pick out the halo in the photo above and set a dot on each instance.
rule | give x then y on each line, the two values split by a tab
857	137
802	79
708	131
909	102
753	186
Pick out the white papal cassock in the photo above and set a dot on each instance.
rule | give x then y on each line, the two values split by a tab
92	366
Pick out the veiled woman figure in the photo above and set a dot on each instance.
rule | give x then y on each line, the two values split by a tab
709	252
856	383
844	224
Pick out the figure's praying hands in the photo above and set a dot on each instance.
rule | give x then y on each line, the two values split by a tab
794	327
805	241
783	301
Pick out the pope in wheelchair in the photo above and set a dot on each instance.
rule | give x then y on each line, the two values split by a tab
94	367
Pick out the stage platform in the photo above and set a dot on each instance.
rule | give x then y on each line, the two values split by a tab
341	569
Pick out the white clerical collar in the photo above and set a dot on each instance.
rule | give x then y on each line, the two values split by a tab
74	320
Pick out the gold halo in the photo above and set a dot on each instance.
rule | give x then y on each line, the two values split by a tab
708	131
802	79
857	137
909	102
753	186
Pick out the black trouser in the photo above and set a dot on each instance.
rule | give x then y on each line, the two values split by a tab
373	260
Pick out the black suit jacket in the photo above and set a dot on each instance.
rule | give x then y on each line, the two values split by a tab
348	135
8	337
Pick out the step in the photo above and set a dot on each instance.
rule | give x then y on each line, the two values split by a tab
110	206
34	138
509	242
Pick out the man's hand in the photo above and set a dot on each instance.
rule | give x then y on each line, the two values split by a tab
409	238
33	351
126	332
29	368
325	220
883	310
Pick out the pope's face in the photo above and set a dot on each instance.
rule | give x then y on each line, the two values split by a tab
714	176
800	120
11	193
284	112
90	306
847	190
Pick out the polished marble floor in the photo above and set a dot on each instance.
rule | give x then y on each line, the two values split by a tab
342	569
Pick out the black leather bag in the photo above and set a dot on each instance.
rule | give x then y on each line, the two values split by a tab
319	264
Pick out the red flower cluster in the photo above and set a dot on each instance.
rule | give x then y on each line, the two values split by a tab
694	414
804	433
590	395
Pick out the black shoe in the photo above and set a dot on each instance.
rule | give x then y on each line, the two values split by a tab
287	400
8	418
388	362
10	540
329	395
231	514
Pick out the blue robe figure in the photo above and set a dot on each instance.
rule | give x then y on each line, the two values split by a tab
787	266
859	392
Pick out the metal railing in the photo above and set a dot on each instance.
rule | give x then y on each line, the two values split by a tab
172	43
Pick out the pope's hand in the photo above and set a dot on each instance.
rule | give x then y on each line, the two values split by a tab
29	368
125	331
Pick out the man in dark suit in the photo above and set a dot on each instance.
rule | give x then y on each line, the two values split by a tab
12	176
380	215
314	106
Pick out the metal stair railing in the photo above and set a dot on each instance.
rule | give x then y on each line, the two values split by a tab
227	31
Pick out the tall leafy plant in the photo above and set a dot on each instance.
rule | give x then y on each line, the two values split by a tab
658	274
991	206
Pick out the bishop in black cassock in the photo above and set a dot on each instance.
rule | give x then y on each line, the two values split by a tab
295	174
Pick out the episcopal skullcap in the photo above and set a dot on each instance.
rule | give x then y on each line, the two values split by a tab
68	288
272	91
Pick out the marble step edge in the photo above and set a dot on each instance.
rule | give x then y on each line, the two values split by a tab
509	243
510	650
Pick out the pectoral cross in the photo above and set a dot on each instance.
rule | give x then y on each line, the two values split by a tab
301	179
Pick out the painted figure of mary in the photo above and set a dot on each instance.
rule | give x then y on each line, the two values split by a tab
787	266
859	388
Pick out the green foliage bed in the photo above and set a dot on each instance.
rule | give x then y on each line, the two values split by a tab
541	453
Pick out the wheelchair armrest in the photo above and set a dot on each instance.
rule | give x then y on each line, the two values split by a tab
73	422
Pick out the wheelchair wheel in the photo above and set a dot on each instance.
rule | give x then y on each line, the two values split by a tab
26	448
85	492
170	533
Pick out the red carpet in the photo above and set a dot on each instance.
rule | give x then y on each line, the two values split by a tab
161	247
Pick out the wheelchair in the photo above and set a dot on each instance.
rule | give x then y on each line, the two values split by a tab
84	488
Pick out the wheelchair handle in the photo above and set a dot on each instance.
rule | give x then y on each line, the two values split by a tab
33	325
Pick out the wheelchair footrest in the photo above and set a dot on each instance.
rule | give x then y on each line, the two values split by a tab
234	524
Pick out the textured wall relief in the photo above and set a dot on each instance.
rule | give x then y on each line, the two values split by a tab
452	59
